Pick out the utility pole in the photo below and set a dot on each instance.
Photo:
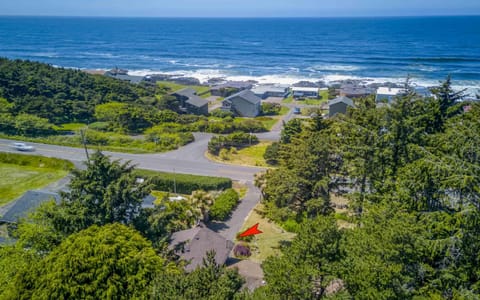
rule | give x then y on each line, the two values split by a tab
174	183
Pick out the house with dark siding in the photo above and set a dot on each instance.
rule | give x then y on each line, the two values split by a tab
244	104
339	105
228	88
191	103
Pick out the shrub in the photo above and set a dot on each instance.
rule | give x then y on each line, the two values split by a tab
224	154
220	113
237	140
99	126
224	204
271	154
185	183
247	239
270	109
242	250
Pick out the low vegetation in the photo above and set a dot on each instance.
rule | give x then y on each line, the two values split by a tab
237	140
269	242
248	156
184	183
224	205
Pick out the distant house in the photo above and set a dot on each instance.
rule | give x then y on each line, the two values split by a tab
387	94
26	204
355	91
265	91
339	105
228	88
193	244
191	103
123	75
244	104
304	92
423	91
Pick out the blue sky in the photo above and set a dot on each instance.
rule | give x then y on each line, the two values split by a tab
239	8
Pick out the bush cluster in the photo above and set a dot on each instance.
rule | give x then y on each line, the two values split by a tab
242	250
224	204
185	183
270	109
237	140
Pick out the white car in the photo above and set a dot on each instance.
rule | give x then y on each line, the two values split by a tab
23	147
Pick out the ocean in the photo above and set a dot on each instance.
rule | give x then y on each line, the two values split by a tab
266	50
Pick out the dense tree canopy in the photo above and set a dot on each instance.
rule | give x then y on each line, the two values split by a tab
410	172
61	95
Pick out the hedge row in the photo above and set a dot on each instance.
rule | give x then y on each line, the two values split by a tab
36	161
224	204
185	183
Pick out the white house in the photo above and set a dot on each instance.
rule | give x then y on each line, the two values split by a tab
388	94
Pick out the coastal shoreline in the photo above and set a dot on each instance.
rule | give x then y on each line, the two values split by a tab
208	77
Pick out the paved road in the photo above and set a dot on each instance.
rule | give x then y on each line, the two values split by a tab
232	226
187	160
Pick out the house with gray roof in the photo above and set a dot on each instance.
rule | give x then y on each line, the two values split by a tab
355	91
123	75
193	244
244	104
26	204
230	87
271	90
339	105
191	103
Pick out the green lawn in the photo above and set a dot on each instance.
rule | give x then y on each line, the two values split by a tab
267	121
288	100
248	156
70	127
202	91
267	243
16	180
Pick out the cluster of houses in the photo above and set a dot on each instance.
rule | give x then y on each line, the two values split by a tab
244	97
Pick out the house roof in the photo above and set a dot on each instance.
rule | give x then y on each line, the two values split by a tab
247	95
390	91
342	99
262	89
26	204
197	101
355	90
193	245
304	89
234	84
147	202
131	78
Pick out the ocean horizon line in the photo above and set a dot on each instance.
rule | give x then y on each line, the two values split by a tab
245	17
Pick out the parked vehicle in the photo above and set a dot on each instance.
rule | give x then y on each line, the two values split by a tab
23	147
296	110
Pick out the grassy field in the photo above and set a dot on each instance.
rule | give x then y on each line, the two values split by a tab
16	180
202	91
248	156
267	243
323	97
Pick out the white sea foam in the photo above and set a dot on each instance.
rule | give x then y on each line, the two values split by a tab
45	54
333	67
